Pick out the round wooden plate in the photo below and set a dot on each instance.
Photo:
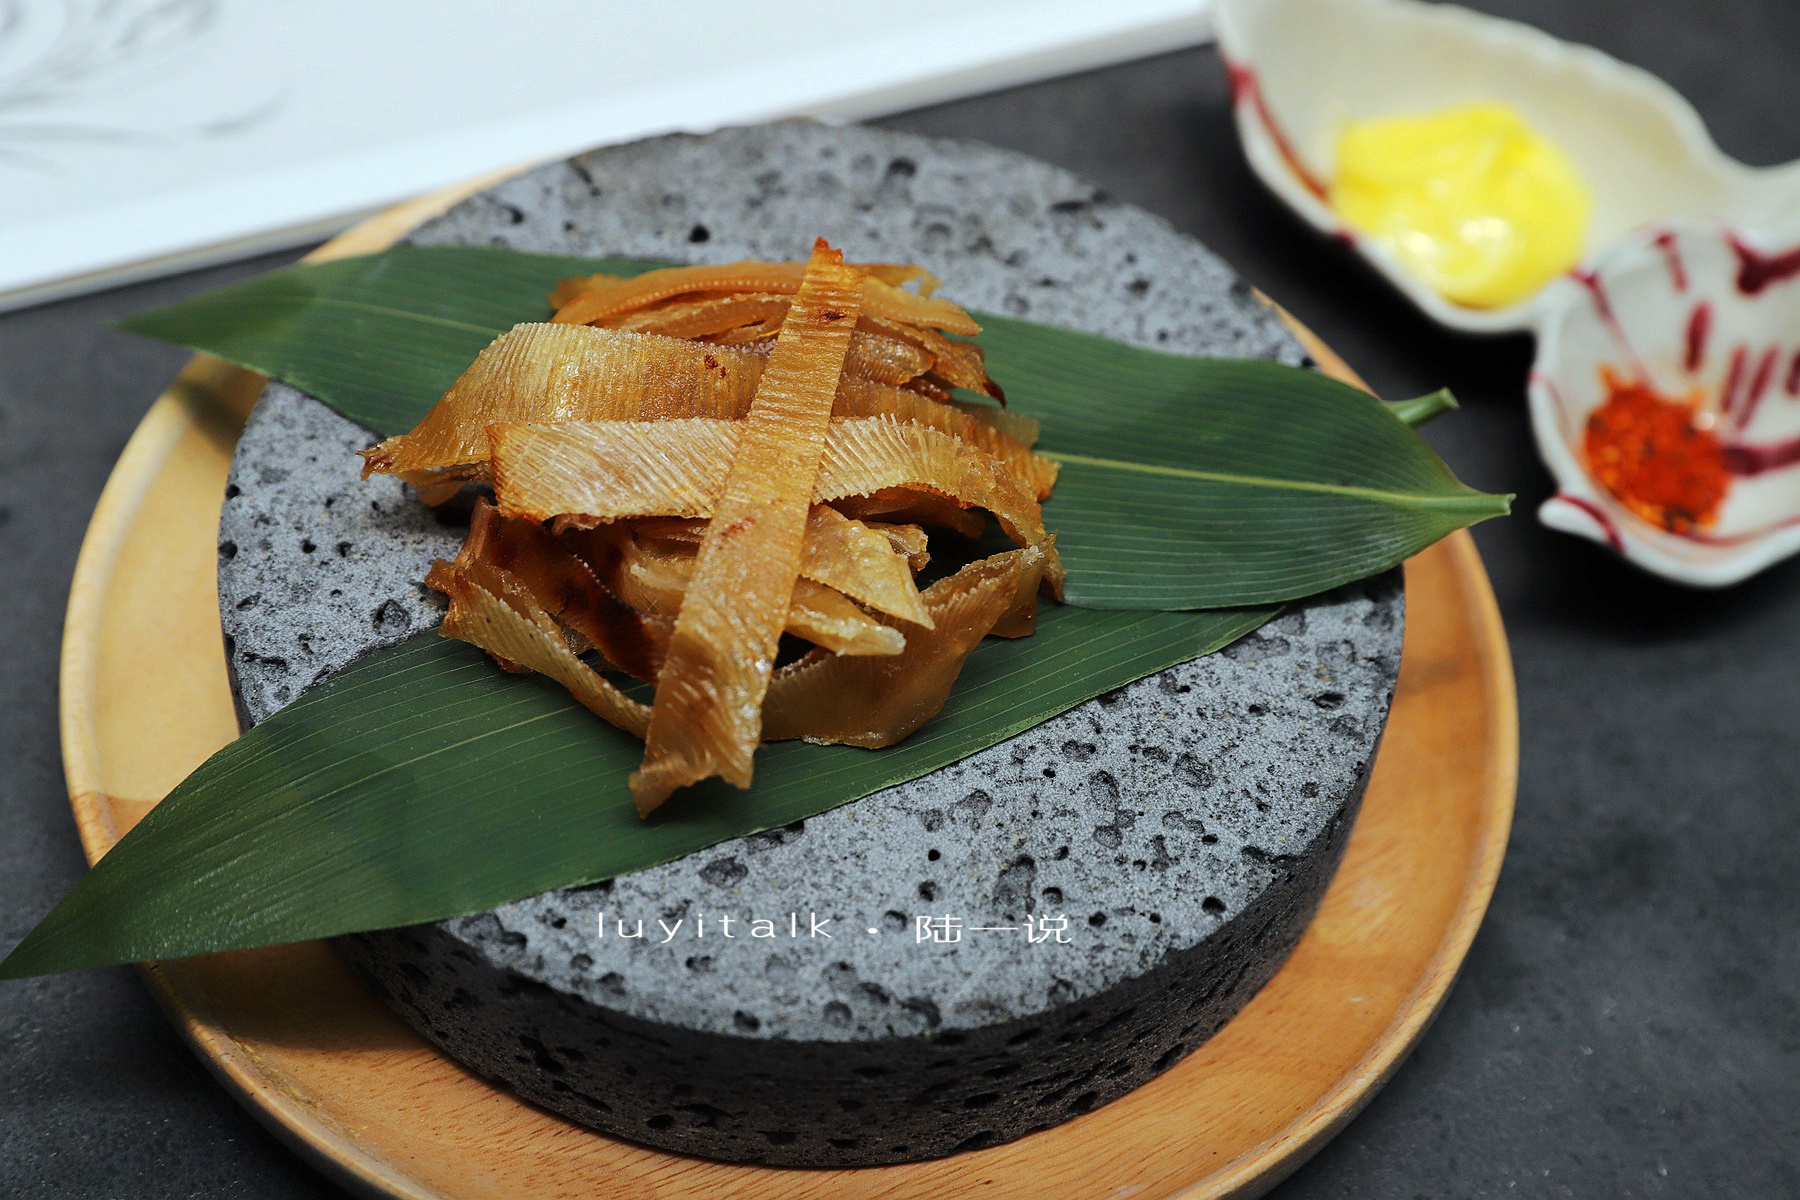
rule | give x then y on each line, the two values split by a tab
325	1065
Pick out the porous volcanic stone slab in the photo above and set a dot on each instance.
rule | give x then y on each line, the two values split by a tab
1185	825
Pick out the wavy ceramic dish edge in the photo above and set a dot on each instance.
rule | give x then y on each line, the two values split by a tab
1660	185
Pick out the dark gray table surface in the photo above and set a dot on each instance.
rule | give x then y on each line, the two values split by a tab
1626	1024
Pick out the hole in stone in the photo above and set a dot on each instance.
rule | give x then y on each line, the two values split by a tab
779	1137
698	234
391	617
723	872
928	890
1083	1103
1097	920
705	1114
924	1009
744	1022
593	1102
540	1054
660	1122
1053	895
932	855
1213	905
981	1100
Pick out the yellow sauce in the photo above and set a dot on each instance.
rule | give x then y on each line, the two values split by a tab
1471	200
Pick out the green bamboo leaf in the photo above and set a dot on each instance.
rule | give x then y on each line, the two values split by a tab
421	783
381	337
1187	482
1420	409
1203	483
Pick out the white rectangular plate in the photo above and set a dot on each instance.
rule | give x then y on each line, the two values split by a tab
143	136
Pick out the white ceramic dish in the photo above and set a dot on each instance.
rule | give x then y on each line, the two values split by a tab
1661	293
1695	308
1302	68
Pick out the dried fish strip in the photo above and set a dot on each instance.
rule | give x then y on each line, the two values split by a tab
871	565
872	702
573	373
707	716
607	470
862	563
541	372
568	589
857	398
709	316
1021	429
494	610
913	508
692	464
654	579
600	298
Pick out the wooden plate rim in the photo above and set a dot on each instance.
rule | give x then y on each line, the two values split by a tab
206	386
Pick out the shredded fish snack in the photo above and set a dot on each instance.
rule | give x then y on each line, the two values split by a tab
720	481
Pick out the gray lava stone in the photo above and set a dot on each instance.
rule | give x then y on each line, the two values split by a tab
1185	825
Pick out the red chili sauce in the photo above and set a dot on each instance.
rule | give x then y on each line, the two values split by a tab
1651	452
